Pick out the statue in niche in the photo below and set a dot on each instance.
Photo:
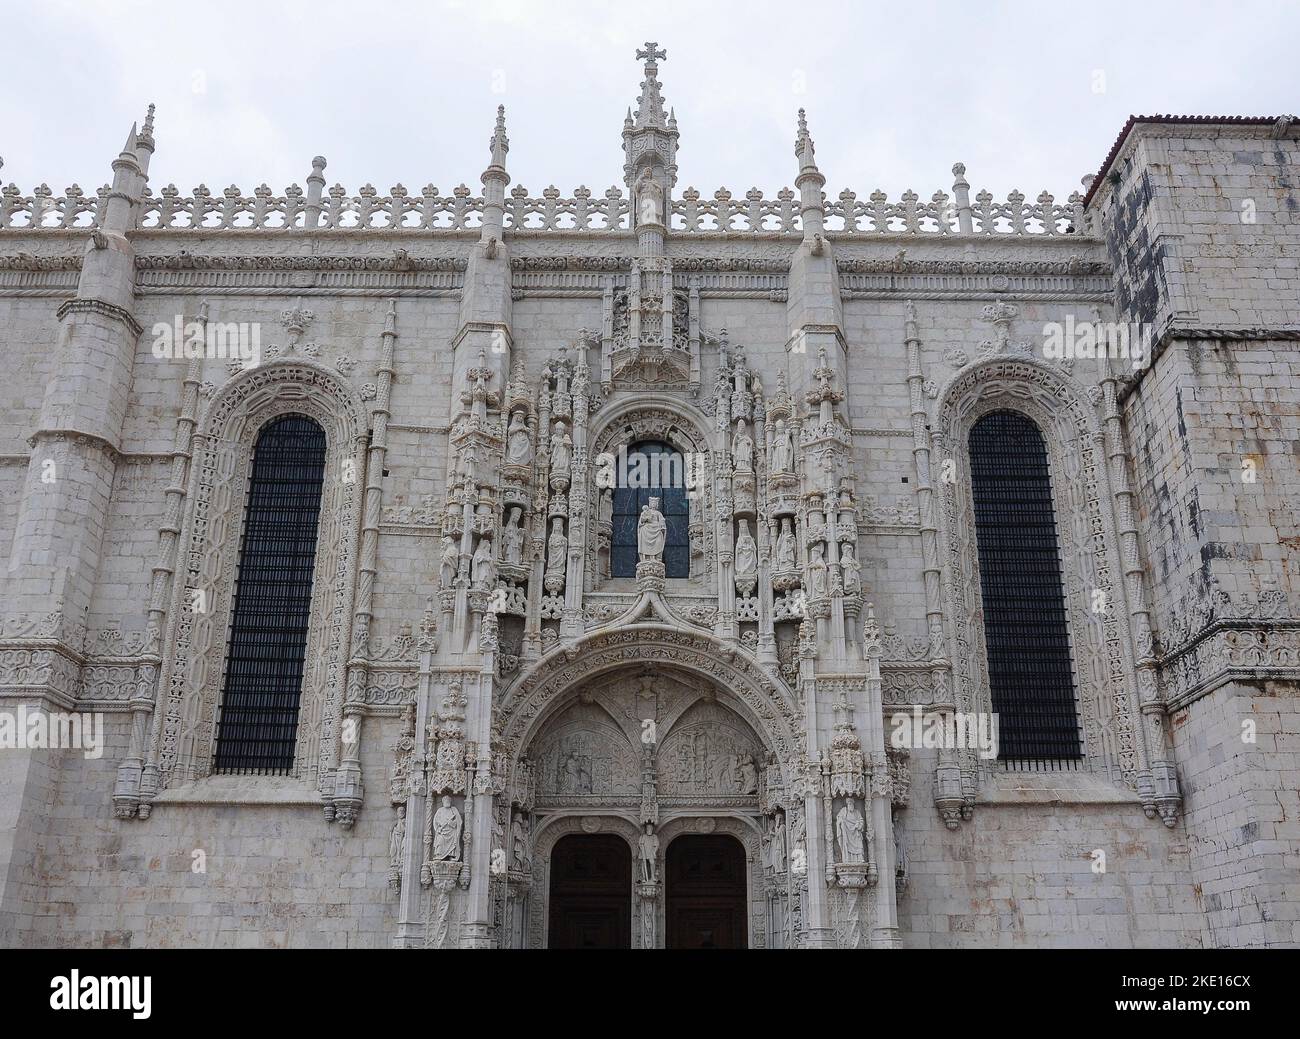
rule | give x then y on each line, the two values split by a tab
849	827
512	537
396	843
557	548
519	445
746	552
782	448
649	847
748	774
818	574
522	851
649	199
785	548
561	450
798	853
448	562
851	568
447	824
776	846
485	567
651	532
605	507
742	449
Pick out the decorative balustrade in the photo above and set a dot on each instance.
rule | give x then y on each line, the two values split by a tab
845	216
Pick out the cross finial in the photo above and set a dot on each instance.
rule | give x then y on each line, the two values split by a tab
651	53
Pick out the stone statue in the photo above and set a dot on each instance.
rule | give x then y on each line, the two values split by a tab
519	445
523	853
782	449
485	568
396	843
649	199
447	825
557	548
851	568
785	548
742	449
777	845
746	552
849	828
448	562
798	853
649	855
561	450
605	508
651	532
818	574
748	775
512	538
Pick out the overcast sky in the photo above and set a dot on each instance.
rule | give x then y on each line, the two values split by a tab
1029	96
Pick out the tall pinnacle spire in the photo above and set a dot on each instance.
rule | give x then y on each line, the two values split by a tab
650	105
650	137
500	143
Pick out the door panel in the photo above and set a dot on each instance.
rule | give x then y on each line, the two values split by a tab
705	893
591	893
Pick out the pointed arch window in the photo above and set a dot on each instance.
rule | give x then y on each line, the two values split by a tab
257	729
1031	677
650	469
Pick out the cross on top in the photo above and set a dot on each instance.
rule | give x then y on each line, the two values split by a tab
650	53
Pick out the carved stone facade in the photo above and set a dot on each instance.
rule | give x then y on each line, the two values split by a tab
513	648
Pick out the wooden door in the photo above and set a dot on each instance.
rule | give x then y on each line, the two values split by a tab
591	893
704	888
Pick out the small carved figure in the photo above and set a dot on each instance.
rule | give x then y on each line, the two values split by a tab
485	567
512	538
742	449
777	845
651	532
785	548
782	448
448	562
849	828
649	855
561	450
818	574
447	824
557	548
523	853
519	445
746	552
852	569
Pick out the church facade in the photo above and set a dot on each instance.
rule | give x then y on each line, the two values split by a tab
648	569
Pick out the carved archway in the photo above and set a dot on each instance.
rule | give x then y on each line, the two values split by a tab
746	830
1101	641
738	681
549	832
196	642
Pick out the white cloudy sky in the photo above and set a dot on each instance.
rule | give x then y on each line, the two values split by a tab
1028	95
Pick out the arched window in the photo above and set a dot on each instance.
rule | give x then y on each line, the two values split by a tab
1030	674
258	726
650	469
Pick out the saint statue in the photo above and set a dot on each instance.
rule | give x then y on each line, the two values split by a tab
851	568
448	562
512	538
777	845
523	854
519	445
748	775
785	548
782	449
649	199
557	548
397	839
649	846
447	825
742	449
849	828
561	450
485	568
605	508
746	552
818	574
651	532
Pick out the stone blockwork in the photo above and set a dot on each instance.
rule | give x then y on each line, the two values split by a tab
482	685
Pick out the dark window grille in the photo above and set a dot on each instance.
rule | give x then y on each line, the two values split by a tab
1025	625
258	727
665	468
